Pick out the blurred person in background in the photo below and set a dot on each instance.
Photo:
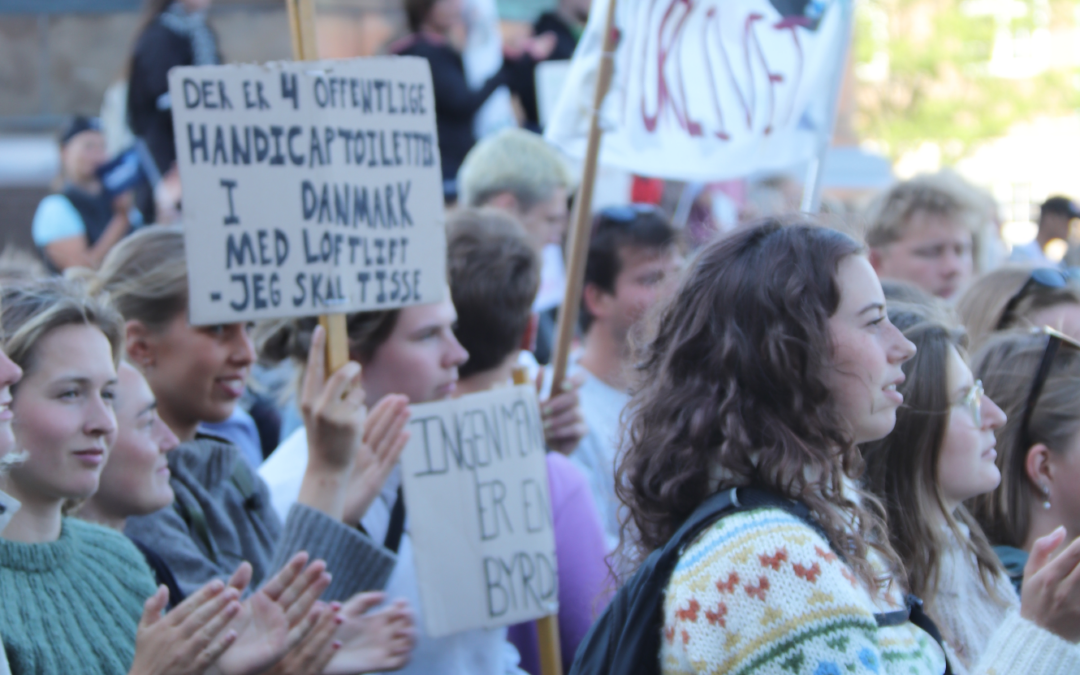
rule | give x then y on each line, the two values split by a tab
1019	297
77	226
1035	377
517	171
633	264
922	231
1055	215
174	33
432	24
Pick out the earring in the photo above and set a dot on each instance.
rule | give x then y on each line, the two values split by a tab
1046	497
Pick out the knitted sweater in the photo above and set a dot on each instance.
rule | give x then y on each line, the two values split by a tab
761	592
72	605
240	528
970	619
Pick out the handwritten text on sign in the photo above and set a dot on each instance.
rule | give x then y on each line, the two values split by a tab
309	187
479	511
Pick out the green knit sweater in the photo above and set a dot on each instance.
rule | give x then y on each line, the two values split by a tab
72	605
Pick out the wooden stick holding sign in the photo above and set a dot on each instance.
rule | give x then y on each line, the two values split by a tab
547	627
580	229
302	32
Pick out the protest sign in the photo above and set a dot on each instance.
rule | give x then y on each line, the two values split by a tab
309	188
708	90
475	479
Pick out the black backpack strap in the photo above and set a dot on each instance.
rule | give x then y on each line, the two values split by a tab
397	523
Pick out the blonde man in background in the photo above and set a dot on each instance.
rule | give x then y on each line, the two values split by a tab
517	171
923	231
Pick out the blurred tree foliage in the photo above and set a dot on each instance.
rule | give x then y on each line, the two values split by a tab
932	70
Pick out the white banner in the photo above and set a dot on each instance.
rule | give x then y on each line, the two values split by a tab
707	90
309	187
480	520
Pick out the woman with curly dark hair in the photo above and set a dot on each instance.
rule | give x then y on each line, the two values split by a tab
775	358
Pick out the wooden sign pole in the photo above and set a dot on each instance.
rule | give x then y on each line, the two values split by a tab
581	229
547	627
302	31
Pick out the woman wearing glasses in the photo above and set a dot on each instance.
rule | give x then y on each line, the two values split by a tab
1018	297
941	454
1035	377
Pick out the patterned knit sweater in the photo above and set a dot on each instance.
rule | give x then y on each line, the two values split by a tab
72	605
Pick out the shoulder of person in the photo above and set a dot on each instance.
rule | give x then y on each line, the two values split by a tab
763	587
56	218
109	551
207	460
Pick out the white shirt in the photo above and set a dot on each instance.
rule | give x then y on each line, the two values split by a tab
475	652
602	407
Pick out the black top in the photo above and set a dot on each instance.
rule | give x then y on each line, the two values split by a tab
566	40
96	210
157	50
162	573
455	103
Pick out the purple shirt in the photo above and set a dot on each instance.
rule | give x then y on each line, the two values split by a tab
584	583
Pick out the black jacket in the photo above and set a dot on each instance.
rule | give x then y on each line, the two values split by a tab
455	104
157	50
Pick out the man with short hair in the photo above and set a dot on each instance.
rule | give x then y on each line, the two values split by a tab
1055	215
922	231
494	275
517	171
633	263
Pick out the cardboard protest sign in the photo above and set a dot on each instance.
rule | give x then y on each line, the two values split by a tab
707	90
309	187
479	512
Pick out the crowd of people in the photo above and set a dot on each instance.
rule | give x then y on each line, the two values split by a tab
888	411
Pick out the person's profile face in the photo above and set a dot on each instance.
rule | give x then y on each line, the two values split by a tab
966	464
545	222
934	253
646	276
10	374
64	417
867	354
419	359
82	155
198	373
135	480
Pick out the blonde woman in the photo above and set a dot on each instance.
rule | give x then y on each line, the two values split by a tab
74	592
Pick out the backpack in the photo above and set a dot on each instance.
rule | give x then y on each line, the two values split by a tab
626	637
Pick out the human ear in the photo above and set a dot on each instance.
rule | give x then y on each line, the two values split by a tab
1038	465
528	340
597	301
505	201
876	257
139	344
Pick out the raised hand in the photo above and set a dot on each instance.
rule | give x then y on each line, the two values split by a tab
384	439
1051	590
564	425
378	641
276	618
333	409
318	646
191	637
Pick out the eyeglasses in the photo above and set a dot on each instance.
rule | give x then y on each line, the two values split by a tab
625	213
973	402
1054	341
1043	277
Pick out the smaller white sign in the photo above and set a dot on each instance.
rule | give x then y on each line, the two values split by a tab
480	520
